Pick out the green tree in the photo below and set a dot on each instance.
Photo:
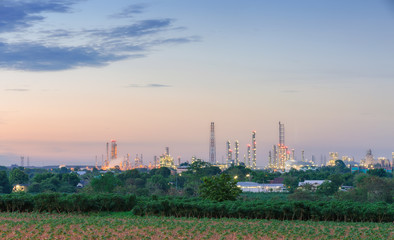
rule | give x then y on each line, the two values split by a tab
158	184
239	172
200	168
5	186
17	176
64	170
129	174
327	188
70	178
374	189
219	188
163	171
340	167
105	183
379	172
291	183
263	176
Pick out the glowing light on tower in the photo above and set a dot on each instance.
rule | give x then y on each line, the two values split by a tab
283	154
254	149
249	156
229	154
236	153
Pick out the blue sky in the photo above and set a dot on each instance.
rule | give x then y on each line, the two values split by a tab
153	74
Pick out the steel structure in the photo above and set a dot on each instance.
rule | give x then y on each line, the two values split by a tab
249	157
229	154
283	154
114	149
212	145
236	162
254	149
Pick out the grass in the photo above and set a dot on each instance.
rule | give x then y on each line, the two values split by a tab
126	226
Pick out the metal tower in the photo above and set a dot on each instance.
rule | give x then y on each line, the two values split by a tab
281	134
114	149
254	149
282	149
106	164
137	161
212	145
236	153
249	157
229	154
274	157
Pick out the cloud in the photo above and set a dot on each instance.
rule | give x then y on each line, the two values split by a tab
35	57
177	40
15	15
130	11
63	49
17	89
152	85
138	29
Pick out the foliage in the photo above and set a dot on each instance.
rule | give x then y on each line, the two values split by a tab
126	226
238	171
219	188
194	207
273	209
18	176
57	202
370	189
291	183
5	186
163	171
378	172
263	176
158	184
327	188
200	168
54	182
105	183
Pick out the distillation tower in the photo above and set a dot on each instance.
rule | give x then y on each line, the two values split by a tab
229	154
236	163
254	149
114	149
249	157
283	154
212	145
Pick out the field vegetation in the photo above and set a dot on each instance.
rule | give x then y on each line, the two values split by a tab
127	226
347	211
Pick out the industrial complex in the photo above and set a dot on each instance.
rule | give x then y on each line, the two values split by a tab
280	158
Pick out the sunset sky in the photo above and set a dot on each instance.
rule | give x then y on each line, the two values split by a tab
151	74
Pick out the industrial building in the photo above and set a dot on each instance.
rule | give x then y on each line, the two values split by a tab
257	187
166	160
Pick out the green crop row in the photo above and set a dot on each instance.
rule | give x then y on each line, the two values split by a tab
123	225
49	202
346	211
276	209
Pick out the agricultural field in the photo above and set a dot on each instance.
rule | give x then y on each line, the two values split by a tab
126	226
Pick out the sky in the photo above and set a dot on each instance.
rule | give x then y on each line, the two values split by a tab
155	74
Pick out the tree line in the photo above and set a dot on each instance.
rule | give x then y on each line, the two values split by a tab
197	207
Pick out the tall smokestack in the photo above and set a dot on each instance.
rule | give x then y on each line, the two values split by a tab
212	145
254	150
